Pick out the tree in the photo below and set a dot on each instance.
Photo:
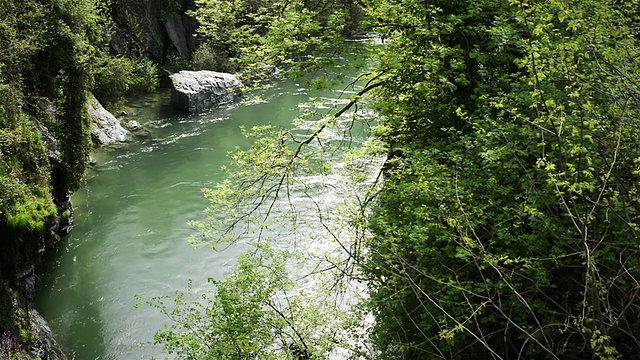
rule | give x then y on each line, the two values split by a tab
275	302
256	36
506	226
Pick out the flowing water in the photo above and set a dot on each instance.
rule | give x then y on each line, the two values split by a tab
131	234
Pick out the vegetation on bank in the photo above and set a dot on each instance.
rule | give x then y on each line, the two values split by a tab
41	66
506	226
52	54
254	37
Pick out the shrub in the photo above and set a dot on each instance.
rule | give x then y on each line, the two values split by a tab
144	75
112	78
116	76
206	58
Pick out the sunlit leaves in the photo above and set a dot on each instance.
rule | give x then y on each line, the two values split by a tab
511	190
253	36
233	321
509	155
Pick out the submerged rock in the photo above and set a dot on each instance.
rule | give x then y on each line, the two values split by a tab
132	125
195	91
105	128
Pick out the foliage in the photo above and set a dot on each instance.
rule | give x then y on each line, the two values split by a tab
24	180
25	202
255	35
128	73
145	75
206	58
48	55
116	76
53	51
64	35
507	224
254	312
113	75
276	302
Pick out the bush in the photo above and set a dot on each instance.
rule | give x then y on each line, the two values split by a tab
206	58
144	75
116	76
112	76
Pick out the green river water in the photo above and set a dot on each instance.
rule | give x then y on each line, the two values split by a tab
131	233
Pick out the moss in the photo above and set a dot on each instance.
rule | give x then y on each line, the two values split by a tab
26	205
25	335
32	215
24	179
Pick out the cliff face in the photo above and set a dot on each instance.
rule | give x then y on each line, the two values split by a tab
36	212
54	53
159	27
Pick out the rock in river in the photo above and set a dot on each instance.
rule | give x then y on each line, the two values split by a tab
105	128
195	91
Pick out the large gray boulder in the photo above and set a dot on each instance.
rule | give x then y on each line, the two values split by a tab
105	128
194	91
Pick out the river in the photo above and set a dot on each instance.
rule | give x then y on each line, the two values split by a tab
131	233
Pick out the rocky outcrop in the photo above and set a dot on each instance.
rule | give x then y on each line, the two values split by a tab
45	345
160	27
26	321
178	35
194	91
18	289
61	225
105	128
42	342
